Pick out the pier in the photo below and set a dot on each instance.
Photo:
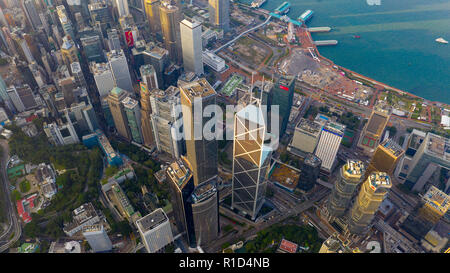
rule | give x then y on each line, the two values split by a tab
326	42
283	8
305	16
319	29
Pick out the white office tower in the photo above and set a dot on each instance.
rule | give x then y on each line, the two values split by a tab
122	8
97	238
103	78
191	45
119	68
155	230
328	146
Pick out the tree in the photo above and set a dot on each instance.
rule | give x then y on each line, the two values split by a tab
123	227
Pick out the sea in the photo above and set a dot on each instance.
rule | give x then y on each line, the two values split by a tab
397	40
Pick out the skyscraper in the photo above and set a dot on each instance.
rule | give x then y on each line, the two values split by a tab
155	230
65	22
77	73
219	13
103	78
283	95
167	121
170	25
152	12
201	150
68	86
250	160
113	40
122	8
146	122
92	48
191	43
385	158
97	238
435	205
69	51
32	14
372	193
329	143
344	187
372	131
195	208
148	75
115	98
310	170
306	136
411	145
119	68
432	153
133	113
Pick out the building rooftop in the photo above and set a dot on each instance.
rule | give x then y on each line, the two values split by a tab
198	89
152	220
379	180
191	23
129	103
205	190
116	91
80	215
438	146
147	69
392	146
312	160
99	68
377	122
354	168
179	173
288	246
437	199
92	228
311	127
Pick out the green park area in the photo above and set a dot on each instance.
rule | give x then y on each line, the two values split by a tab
268	240
24	186
231	85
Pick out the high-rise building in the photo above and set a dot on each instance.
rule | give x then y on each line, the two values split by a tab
115	98
113	40
434	152
97	238
103	78
119	68
148	75
122	8
306	136
77	73
92	48
250	160
100	14
329	143
435	205
155	230
167	120
219	13
65	22
195	209
283	95
68	86
152	12
158	57
133	113
310	170
345	186
385	158
32	14
372	131
146	122
372	193
191	44
181	184
411	144
201	150
170	26
205	211
69	51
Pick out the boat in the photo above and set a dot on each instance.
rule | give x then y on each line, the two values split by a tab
441	40
258	3
356	36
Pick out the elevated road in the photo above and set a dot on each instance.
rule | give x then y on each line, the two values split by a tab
13	225
242	34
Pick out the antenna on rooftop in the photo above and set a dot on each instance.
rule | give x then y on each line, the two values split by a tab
262	90
251	88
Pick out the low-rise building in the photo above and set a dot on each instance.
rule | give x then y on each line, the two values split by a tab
83	216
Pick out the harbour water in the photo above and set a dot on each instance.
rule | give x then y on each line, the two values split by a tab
397	40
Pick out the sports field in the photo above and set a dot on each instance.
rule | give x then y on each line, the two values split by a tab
231	85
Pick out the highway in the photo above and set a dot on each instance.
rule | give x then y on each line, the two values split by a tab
13	225
242	34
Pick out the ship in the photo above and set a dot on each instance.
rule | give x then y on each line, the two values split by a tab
258	3
441	40
356	36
